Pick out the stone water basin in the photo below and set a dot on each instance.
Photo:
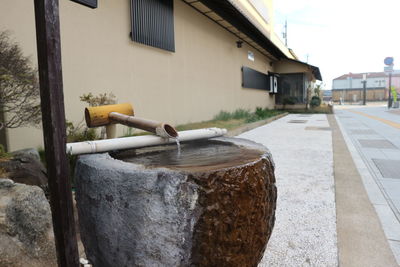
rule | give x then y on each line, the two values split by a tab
211	205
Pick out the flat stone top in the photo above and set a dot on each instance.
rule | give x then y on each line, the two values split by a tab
195	156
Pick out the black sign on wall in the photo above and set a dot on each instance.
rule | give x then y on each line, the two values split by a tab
255	79
88	3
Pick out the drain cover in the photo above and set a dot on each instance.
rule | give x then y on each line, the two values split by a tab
388	168
363	131
378	143
315	128
305	115
297	121
354	125
345	117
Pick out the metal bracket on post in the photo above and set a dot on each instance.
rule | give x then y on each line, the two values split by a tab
53	119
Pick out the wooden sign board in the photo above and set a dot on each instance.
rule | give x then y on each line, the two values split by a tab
88	3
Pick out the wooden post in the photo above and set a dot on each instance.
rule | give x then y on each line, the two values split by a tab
53	118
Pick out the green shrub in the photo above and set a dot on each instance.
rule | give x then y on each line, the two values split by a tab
315	101
42	156
98	100
246	115
289	100
261	114
240	114
264	113
3	153
253	118
79	133
223	116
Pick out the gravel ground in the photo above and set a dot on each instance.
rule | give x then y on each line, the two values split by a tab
305	227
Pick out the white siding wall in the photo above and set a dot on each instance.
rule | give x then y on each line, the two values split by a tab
356	83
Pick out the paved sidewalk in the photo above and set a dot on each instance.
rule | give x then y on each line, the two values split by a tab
305	228
361	240
373	137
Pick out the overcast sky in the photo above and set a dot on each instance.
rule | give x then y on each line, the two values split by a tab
341	36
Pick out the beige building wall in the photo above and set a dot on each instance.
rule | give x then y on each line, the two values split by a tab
200	79
285	66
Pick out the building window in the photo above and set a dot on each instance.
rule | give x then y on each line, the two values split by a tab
292	87
88	3
153	23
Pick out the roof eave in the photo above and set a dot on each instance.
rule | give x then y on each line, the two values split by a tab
231	14
314	70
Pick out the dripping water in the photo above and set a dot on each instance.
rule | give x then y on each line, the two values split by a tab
178	144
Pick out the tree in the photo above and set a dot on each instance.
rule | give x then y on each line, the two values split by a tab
98	100
317	89
19	86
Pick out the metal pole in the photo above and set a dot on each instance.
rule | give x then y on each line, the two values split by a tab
365	93
286	33
53	119
390	93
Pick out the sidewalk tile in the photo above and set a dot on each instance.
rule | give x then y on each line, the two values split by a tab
390	224
395	245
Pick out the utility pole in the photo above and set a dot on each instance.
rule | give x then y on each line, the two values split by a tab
284	34
388	70
390	91
364	81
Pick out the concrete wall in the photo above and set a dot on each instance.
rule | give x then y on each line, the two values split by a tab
201	78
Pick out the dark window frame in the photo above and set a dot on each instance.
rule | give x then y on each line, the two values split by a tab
88	3
286	89
254	79
152	23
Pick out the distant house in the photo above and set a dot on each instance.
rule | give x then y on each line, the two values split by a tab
176	61
349	87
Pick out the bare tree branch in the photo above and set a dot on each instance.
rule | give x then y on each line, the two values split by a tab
19	87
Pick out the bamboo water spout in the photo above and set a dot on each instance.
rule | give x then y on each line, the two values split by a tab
158	128
109	115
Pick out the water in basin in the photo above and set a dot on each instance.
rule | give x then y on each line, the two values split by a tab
194	156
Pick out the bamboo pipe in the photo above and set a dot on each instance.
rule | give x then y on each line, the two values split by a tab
108	115
158	128
98	116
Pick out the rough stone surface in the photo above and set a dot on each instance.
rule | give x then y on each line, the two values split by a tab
25	168
28	152
131	215
26	233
